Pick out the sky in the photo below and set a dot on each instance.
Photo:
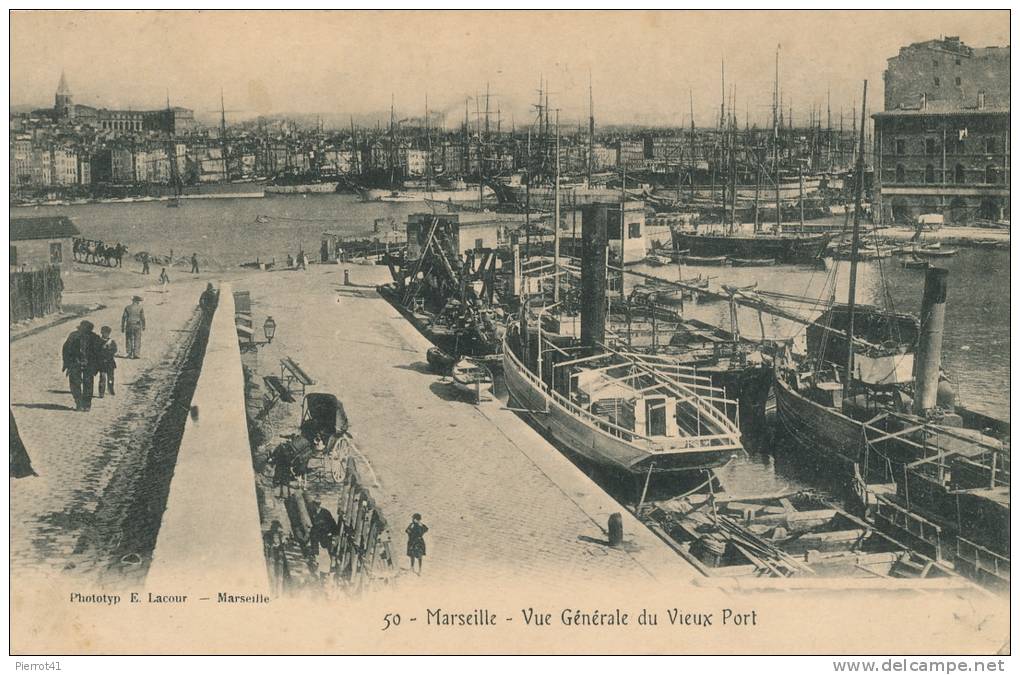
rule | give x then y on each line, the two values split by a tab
644	66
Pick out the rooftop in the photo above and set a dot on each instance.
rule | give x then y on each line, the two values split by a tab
48	227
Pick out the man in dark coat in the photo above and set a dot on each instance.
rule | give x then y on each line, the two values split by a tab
81	357
194	263
209	299
21	464
145	262
323	526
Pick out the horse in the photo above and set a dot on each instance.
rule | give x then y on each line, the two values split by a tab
118	254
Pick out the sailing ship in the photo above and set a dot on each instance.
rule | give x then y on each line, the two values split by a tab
881	411
782	247
457	191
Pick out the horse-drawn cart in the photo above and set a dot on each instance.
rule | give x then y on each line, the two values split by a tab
321	446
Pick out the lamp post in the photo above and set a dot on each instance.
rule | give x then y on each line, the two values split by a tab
269	328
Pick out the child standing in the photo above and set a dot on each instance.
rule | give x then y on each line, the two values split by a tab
107	361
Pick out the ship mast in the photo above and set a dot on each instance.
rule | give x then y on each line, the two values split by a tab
692	157
775	147
223	135
556	217
591	129
428	148
858	189
175	176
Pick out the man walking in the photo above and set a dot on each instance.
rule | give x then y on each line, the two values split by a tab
194	263
132	324
107	361
145	262
81	361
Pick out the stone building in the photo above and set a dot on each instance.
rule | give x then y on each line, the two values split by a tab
42	241
170	119
942	142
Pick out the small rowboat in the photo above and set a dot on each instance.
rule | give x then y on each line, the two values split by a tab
656	261
733	290
699	260
914	263
472	379
936	252
440	361
752	262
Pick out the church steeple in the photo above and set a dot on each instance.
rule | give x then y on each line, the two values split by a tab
63	102
62	88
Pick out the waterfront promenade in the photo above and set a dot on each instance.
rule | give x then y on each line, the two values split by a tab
89	506
502	505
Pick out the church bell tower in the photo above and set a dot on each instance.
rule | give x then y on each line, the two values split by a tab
63	103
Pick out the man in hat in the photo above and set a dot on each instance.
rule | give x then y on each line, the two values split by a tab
208	300
81	356
132	324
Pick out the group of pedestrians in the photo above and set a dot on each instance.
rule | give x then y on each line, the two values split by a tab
86	354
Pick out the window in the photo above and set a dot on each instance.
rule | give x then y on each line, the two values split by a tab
991	174
479	243
56	256
957	61
14	255
901	146
958	81
655	417
959	174
929	146
634	230
929	174
901	174
990	144
936	81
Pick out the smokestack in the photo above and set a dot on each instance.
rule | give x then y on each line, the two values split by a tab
594	245
929	349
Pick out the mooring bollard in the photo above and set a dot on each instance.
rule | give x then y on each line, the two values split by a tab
615	529
347	277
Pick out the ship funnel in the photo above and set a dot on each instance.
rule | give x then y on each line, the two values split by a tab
929	348
594	247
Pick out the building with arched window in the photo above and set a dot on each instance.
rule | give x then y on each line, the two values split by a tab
174	119
944	148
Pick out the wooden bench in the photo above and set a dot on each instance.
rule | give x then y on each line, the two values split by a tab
291	371
276	389
242	302
246	338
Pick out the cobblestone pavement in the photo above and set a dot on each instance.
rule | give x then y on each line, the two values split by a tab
91	466
494	516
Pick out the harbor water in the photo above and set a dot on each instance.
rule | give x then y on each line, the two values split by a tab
227	232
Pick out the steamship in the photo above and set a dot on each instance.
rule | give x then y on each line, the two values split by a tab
633	412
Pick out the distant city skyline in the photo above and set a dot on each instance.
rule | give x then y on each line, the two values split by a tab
642	64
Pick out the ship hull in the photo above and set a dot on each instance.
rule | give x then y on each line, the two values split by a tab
817	428
302	189
543	197
581	437
465	195
785	249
